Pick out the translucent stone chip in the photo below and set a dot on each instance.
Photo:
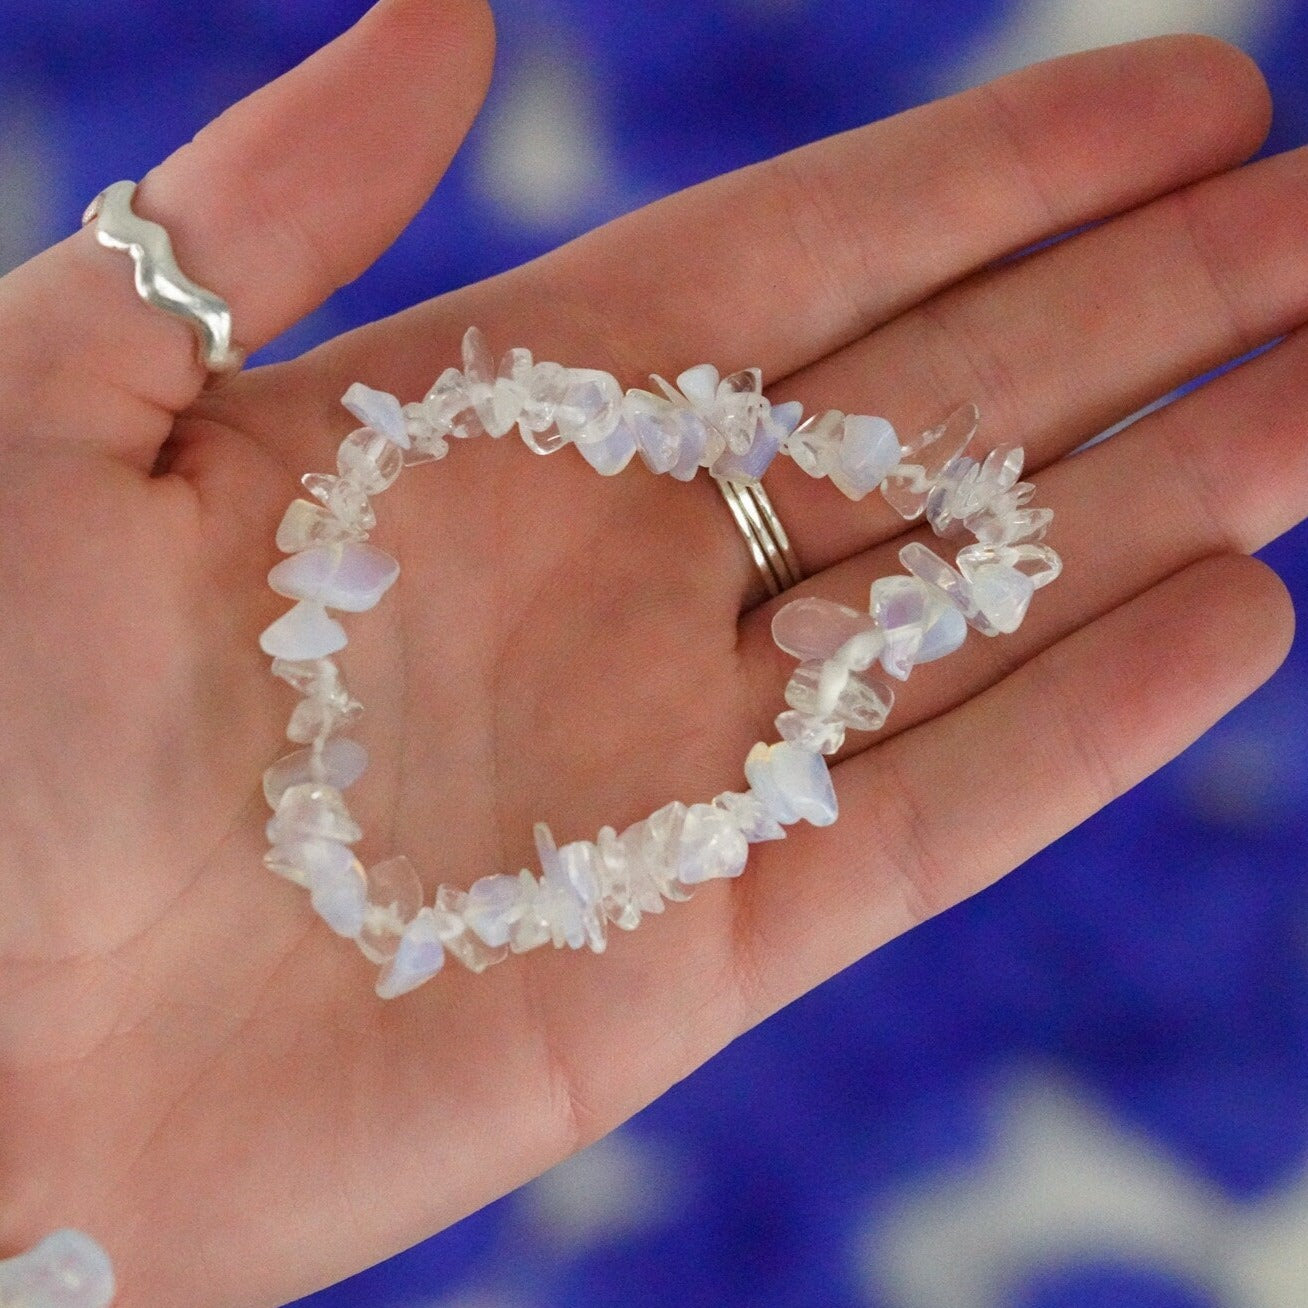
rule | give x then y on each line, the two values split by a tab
1021	527
788	416
814	628
419	955
693	434
319	677
450	409
299	861
699	385
494	903
749	463
902	609
545	388
339	895
498	397
317	717
312	810
712	846
655	425
629	889
66	1270
1038	562
617	901
737	408
579	873
925	564
966	488
868	449
429	444
1001	592
863	702
370	459
346	499
305	524
379	411
341	763
349	576
751	815
792	782
818	735
394	898
815	444
610	455
590	407
468	948
906	488
945	632
303	632
654	843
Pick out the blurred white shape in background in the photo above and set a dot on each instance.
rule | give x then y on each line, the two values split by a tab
621	1184
1065	1182
542	160
1040	29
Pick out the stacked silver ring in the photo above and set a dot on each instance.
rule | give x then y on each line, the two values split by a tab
769	546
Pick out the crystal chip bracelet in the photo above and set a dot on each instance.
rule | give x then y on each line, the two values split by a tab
724	424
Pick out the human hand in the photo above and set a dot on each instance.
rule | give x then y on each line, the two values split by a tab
191	1067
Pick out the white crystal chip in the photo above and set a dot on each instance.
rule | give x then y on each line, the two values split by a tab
369	459
792	783
378	410
468	948
590	407
342	763
814	444
419	955
394	896
303	860
751	815
305	524
304	632
494	903
863	702
339	895
67	1269
907	487
868	450
312	810
345	498
699	385
712	845
611	454
816	733
349	576
814	628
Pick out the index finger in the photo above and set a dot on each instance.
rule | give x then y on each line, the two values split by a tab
780	263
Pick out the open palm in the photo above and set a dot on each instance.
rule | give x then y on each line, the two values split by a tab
191	1066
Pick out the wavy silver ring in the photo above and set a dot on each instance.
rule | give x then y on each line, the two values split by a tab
159	281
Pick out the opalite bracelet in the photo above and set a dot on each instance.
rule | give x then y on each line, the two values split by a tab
729	427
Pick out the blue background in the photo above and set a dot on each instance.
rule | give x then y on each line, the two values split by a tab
1086	1086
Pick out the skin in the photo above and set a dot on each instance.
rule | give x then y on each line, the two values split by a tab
191	1065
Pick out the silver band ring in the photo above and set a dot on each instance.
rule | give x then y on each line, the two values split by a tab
769	546
159	281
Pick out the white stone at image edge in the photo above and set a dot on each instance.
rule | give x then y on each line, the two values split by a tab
65	1270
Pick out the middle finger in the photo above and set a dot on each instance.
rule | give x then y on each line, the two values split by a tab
1069	340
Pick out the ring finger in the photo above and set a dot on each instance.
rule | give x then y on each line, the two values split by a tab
1225	468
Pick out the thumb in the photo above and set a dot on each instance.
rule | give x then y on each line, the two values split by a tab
289	194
